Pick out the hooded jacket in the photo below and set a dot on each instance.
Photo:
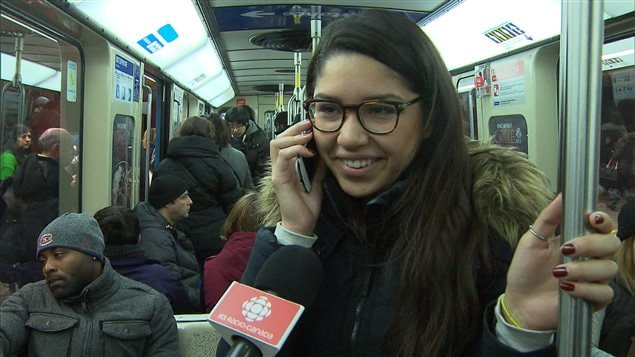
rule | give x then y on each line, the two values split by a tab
112	316
129	260
353	306
212	187
170	247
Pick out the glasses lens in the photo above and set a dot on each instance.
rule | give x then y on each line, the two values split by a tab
378	117
326	116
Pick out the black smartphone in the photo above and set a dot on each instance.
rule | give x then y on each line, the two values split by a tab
306	167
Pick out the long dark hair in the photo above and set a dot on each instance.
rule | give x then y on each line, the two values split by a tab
439	245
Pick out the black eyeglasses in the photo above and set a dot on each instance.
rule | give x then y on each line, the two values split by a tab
375	116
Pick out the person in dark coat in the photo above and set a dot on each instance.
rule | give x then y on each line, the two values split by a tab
122	235
618	330
32	204
414	262
249	138
84	307
234	157
161	240
194	157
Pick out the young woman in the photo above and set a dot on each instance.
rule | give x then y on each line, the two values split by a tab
398	214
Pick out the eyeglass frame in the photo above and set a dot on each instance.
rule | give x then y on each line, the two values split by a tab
399	107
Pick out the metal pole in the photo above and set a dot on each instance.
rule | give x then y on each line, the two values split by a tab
581	40
146	183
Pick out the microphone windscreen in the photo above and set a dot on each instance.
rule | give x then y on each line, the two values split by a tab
293	273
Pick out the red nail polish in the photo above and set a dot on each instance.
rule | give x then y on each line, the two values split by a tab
598	219
567	286
559	272
568	249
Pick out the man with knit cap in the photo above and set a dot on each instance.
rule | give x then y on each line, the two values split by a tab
168	203
83	307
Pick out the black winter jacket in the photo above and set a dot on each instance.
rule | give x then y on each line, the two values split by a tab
212	187
353	306
255	145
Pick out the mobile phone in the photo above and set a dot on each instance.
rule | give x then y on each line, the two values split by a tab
306	167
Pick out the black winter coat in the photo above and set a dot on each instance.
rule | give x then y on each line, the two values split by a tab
212	187
353	306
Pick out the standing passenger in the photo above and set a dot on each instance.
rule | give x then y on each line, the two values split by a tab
84	308
234	157
410	262
17	145
249	138
168	204
34	203
195	158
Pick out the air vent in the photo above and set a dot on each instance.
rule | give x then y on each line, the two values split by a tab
289	40
273	88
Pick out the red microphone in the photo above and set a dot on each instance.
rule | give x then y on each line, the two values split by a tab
256	321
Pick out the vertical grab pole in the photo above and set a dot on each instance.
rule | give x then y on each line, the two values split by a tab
146	186
581	40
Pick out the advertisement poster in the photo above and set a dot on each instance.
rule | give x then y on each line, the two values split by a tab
509	131
482	80
123	135
508	82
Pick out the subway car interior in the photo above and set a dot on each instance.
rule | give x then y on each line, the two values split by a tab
121	77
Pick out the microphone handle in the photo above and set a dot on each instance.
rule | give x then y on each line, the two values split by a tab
243	348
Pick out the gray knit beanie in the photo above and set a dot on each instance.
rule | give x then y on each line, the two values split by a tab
76	231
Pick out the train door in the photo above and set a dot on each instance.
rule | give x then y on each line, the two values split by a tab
467	98
156	111
42	88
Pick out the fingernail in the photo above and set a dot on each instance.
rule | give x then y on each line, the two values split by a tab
598	219
568	249
567	286
559	272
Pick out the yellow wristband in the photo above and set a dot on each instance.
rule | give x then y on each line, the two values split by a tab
509	316
614	231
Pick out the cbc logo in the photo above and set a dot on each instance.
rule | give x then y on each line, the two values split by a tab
256	309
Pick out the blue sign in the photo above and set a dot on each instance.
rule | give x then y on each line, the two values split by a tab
236	18
123	65
168	33
150	43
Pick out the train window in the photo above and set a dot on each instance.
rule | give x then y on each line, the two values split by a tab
41	89
617	131
509	131
40	137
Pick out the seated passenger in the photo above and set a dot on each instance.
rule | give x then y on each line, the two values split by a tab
84	307
240	231
121	232
168	203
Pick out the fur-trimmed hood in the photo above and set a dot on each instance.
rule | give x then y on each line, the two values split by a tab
508	191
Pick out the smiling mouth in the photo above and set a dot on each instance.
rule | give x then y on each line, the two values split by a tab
357	164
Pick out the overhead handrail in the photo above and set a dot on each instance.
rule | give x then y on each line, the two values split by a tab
581	39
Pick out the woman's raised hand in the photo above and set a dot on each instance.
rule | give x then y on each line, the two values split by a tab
299	210
536	275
